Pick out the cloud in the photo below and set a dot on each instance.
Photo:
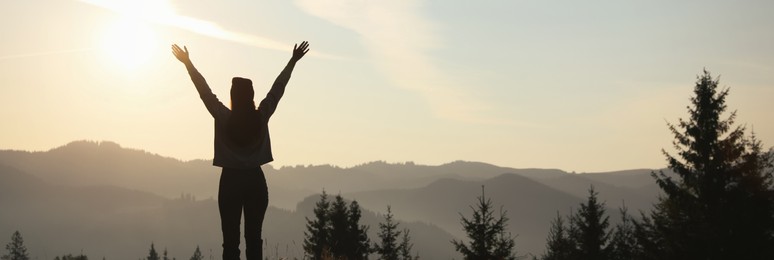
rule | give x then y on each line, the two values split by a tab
399	39
162	12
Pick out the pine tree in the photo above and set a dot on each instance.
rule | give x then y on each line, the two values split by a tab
749	214
197	255
317	234
336	231
591	235
389	248
165	254
153	255
358	244
488	238
348	238
623	245
16	249
404	249
339	230
649	234
388	235
721	203
559	245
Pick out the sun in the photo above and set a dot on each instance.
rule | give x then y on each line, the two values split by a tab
130	42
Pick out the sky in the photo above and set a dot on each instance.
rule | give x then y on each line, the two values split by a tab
584	86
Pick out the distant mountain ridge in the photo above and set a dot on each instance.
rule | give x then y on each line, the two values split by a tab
107	163
86	163
118	223
423	193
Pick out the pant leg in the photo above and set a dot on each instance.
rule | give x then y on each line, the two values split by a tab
230	202
256	202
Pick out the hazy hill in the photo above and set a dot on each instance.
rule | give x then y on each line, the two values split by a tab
636	199
57	219
120	224
300	181
106	163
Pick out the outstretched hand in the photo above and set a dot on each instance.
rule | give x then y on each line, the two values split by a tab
300	50
181	54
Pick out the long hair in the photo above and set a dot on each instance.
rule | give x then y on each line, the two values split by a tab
243	125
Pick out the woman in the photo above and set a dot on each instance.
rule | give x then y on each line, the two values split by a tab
242	145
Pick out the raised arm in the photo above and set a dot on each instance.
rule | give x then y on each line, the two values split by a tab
278	88
269	104
214	106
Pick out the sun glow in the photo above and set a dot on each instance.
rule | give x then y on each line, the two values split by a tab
130	42
161	12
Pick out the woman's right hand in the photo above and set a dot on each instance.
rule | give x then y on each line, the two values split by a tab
181	54
300	50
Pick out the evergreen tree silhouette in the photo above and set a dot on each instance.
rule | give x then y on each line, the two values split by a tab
721	203
358	243
197	255
339	230
559	244
591	232
152	254
389	248
404	249
15	250
388	236
317	234
336	231
488	238
623	245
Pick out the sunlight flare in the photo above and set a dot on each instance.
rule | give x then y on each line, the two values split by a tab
162	12
130	42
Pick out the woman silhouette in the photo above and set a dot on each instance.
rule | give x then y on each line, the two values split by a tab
242	145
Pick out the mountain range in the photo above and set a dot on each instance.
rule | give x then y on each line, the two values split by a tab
112	201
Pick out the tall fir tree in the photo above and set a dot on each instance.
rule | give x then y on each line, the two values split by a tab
339	227
152	254
387	248
591	229
16	250
405	247
559	245
317	234
197	255
335	232
358	243
487	233
623	245
720	204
